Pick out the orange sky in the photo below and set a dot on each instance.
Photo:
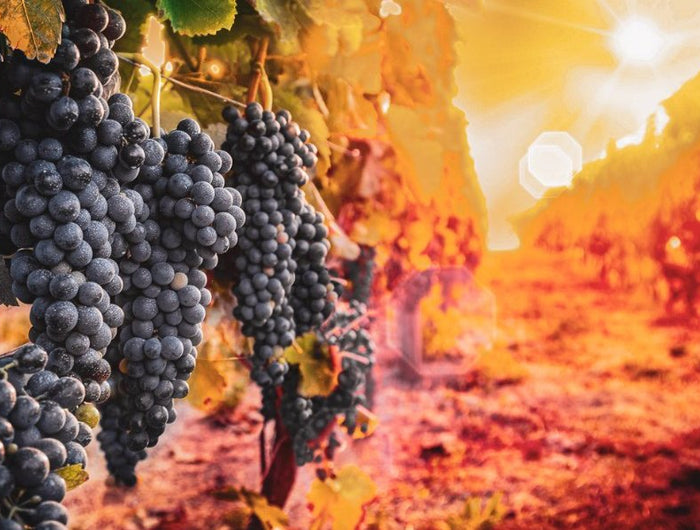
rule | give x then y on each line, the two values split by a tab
528	66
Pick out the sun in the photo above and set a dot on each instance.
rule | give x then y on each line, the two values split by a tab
638	41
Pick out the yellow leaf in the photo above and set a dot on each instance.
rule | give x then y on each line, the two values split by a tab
341	499
318	370
74	475
220	378
33	26
270	516
207	386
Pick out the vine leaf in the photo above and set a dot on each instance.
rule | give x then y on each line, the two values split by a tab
198	17
220	378
74	475
272	517
341	499
208	387
317	364
279	16
33	27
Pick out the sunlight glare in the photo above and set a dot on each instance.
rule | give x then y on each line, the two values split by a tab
638	41
154	50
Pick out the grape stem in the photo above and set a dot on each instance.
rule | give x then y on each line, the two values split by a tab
225	360
353	324
259	76
186	85
355	357
155	92
319	100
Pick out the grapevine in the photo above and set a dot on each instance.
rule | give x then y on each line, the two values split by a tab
108	226
108	231
283	287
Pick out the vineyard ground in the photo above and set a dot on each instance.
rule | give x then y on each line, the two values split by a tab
602	431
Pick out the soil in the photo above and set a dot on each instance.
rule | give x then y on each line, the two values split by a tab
599	428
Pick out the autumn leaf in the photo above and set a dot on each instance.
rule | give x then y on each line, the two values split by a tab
74	475
207	387
33	26
341	499
220	378
272	517
198	17
318	369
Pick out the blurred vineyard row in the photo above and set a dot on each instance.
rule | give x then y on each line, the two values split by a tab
632	219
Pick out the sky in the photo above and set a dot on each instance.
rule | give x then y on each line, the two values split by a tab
530	66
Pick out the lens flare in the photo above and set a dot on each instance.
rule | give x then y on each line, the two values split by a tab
638	41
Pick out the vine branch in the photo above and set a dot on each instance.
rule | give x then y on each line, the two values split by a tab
182	84
155	92
258	74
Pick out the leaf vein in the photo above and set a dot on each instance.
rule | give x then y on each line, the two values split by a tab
29	25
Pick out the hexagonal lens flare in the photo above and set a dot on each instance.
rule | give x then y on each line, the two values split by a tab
551	161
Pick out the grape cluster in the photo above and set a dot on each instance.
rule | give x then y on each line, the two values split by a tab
186	220
66	208
38	436
306	419
283	238
109	230
360	274
313	294
69	93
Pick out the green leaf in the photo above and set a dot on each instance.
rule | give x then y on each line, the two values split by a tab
74	475
276	13
33	26
248	23
198	17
